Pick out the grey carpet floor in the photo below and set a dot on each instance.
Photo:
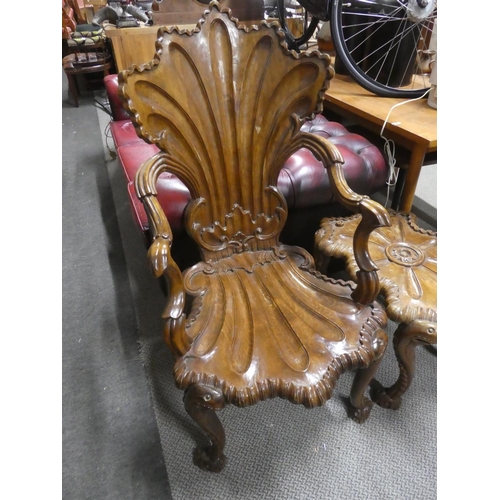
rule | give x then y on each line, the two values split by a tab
121	404
110	441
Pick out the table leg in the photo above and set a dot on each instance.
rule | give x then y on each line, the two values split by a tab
396	197
72	88
411	179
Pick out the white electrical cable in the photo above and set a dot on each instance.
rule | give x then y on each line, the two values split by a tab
390	148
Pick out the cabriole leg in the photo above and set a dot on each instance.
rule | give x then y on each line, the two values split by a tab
406	339
201	403
360	406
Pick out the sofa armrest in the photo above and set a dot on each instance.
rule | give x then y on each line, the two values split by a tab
118	112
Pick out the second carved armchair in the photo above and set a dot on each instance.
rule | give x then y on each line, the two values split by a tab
253	319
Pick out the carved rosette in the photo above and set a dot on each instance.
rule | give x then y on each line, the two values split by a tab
406	257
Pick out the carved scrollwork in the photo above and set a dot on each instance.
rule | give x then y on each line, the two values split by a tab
240	228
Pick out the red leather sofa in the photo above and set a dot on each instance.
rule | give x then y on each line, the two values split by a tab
303	179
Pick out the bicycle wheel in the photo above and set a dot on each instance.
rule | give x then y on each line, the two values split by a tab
310	25
385	45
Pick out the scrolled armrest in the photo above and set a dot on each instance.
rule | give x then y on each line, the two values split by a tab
159	254
373	215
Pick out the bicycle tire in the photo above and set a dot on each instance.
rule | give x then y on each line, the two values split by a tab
413	27
292	42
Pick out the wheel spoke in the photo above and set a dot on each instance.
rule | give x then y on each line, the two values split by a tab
380	44
385	49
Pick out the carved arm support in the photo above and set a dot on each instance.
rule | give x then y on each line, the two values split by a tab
160	259
373	214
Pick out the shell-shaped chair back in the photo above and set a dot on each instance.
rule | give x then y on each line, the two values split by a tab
223	102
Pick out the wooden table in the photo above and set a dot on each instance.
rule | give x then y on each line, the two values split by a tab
412	126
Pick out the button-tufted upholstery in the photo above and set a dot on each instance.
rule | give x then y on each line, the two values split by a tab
303	179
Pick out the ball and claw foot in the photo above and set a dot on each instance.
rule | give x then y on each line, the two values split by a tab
201	403
202	458
382	398
360	415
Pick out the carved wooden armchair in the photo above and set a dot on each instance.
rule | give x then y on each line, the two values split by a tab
253	319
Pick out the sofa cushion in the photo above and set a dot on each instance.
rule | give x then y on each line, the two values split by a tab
365	168
123	133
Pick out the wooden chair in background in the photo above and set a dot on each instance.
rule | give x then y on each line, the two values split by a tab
253	319
87	53
406	257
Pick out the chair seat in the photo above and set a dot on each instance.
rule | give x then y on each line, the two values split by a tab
255	335
405	254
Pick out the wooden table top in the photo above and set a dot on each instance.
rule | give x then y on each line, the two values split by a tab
415	121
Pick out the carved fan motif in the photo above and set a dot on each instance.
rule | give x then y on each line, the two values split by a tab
305	329
226	117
